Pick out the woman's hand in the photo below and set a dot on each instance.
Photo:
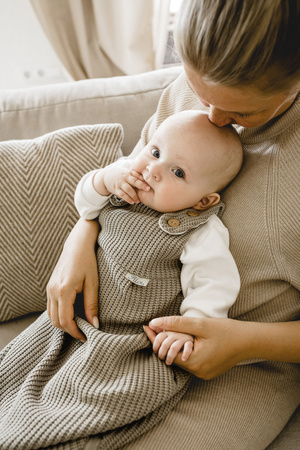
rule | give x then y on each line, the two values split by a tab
217	343
220	344
75	271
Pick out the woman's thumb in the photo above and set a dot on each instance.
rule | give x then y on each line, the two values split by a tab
181	324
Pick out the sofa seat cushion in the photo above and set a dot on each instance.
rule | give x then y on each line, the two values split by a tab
37	211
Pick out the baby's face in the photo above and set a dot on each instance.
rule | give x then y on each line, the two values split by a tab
175	167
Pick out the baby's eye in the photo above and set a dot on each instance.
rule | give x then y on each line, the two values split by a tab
179	173
155	152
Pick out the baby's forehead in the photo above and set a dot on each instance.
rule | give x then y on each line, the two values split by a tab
196	132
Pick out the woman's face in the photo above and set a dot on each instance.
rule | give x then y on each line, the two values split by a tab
242	106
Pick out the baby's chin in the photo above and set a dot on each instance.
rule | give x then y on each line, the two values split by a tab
147	198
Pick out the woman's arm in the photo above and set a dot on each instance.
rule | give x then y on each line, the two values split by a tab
75	271
220	344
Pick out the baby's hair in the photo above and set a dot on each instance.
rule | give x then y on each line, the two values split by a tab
233	153
223	154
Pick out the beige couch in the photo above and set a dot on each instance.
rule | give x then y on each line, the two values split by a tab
26	114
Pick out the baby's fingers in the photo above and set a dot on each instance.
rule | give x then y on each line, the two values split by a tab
173	352
187	350
137	180
127	193
137	175
158	341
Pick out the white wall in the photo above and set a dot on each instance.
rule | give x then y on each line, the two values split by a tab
27	58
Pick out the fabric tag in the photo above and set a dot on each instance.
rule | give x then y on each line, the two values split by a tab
137	280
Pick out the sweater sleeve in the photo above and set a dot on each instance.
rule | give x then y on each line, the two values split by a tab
209	276
87	200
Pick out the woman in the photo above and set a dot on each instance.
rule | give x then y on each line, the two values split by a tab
241	61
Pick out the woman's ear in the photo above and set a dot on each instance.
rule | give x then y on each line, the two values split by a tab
207	201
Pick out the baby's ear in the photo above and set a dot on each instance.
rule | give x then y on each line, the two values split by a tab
207	201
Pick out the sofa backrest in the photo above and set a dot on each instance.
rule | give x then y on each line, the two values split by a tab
129	100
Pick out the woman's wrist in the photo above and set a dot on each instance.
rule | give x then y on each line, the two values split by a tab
271	341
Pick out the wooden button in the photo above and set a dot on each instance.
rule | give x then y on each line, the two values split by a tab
173	222
193	213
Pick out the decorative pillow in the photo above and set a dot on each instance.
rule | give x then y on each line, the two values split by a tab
37	184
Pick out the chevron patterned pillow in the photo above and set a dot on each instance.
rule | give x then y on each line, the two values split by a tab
37	185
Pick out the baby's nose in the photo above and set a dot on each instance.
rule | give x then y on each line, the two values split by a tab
154	170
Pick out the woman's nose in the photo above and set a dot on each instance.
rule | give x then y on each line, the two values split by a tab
219	117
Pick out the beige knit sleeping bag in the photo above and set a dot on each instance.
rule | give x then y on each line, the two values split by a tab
56	391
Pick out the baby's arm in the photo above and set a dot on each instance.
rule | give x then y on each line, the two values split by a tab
169	343
209	278
93	190
209	275
119	179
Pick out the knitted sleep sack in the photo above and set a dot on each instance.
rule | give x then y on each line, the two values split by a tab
57	391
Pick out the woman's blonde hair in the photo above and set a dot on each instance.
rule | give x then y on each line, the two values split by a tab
240	42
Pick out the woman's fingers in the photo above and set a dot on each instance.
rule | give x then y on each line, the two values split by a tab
61	314
150	333
66	317
76	271
90	297
53	314
182	324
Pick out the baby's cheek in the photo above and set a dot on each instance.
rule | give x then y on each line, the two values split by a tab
146	197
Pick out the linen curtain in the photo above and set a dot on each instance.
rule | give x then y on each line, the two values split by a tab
104	38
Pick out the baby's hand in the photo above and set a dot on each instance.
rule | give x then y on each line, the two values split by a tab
120	180
168	344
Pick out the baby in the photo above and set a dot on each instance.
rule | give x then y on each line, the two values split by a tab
163	250
183	168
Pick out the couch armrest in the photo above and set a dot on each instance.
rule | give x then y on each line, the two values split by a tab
129	100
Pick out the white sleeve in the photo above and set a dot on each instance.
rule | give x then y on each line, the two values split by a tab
87	200
209	276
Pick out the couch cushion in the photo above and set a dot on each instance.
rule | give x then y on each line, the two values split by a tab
38	182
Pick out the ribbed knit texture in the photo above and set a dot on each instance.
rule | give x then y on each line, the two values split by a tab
56	390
